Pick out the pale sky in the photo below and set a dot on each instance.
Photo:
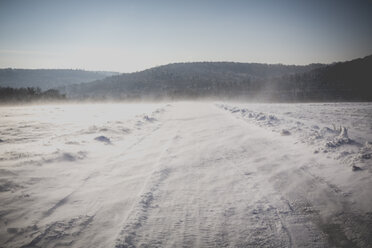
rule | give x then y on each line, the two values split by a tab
127	36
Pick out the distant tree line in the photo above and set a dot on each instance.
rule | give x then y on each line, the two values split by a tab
186	81
29	94
47	78
345	81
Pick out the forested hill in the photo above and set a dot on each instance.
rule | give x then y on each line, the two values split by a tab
186	80
48	78
344	81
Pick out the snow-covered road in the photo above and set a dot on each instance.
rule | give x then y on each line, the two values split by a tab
184	175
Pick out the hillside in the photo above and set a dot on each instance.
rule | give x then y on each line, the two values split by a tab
343	81
186	80
47	78
351	80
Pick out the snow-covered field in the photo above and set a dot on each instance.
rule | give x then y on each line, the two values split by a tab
186	175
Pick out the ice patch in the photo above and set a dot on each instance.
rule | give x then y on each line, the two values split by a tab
149	119
159	110
285	132
125	130
315	127
103	139
64	157
72	143
70	157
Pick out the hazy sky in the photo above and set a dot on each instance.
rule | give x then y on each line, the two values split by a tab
133	35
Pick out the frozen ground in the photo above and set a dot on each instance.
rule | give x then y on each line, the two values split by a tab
186	175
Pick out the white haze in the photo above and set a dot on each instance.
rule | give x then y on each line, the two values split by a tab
186	175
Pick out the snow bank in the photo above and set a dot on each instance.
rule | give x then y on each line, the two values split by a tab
305	125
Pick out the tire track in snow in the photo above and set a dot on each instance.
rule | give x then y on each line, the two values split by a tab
282	212
143	137
353	226
138	214
198	225
187	223
275	214
337	235
59	231
63	229
310	219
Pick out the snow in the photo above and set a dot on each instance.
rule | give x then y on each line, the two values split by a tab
190	174
303	120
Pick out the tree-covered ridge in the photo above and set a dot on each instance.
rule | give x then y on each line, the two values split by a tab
30	94
186	80
351	80
345	81
48	78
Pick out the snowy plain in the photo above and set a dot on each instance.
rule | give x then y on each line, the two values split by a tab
186	174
